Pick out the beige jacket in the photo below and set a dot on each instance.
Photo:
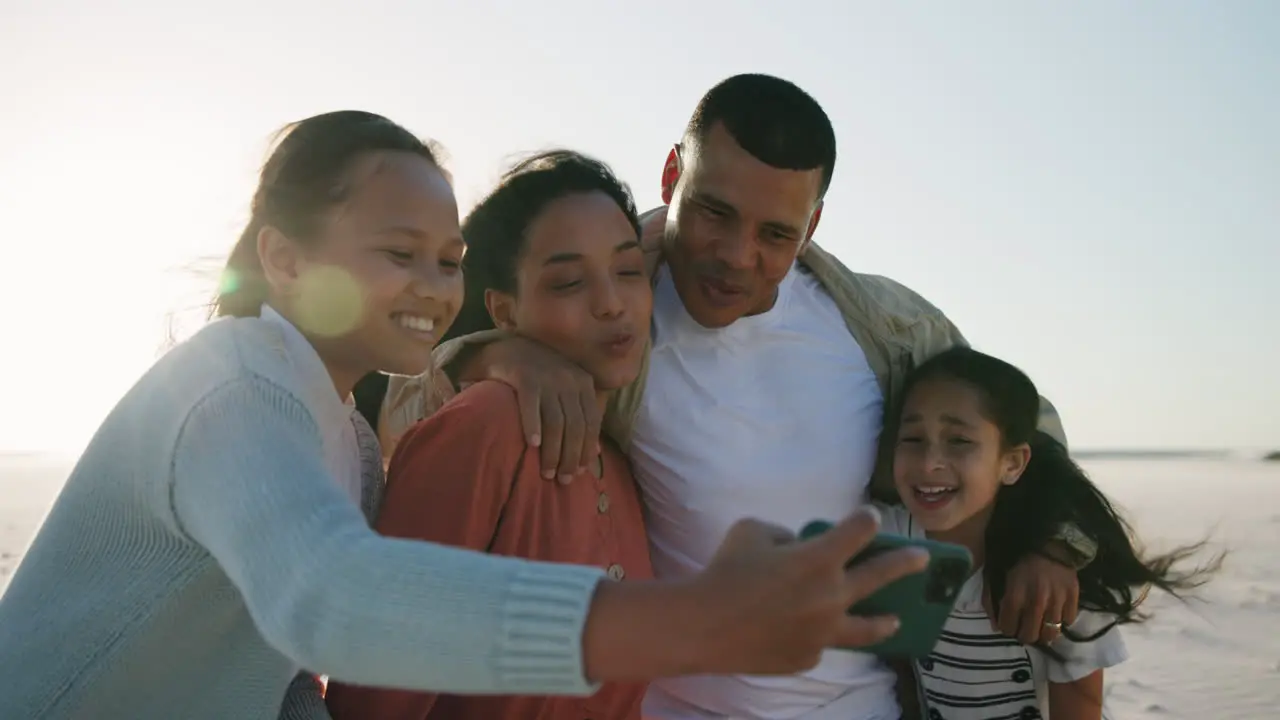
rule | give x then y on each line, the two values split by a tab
896	328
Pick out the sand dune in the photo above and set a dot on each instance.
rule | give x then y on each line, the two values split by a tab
1217	658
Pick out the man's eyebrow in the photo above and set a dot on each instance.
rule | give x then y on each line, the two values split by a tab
703	198
783	228
715	203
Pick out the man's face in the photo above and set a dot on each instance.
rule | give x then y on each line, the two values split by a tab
734	228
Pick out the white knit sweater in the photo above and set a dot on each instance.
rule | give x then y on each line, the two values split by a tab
201	552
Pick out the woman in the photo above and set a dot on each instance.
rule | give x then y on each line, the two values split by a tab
208	544
553	254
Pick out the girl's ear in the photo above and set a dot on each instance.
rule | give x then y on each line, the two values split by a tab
1014	463
502	308
281	259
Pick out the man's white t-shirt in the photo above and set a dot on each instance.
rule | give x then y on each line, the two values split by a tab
777	417
976	673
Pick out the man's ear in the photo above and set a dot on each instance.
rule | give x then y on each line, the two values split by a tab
813	222
671	175
280	258
813	225
502	309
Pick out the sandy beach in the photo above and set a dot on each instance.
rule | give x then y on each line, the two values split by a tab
1217	658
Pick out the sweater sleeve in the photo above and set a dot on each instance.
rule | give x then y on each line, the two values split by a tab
304	700
250	486
450	478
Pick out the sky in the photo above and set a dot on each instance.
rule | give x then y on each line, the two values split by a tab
1089	189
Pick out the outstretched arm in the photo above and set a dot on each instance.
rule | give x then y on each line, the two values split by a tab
326	591
329	593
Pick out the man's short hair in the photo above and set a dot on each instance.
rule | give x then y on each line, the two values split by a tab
772	119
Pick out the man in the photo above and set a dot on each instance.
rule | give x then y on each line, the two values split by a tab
770	370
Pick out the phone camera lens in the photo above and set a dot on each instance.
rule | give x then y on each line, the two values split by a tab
946	576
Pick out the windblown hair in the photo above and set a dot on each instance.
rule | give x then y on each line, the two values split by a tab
1054	490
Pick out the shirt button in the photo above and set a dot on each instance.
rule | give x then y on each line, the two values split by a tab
616	572
602	503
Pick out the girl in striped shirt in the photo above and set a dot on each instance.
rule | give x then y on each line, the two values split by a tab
971	468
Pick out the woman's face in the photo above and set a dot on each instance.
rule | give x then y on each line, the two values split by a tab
581	288
384	280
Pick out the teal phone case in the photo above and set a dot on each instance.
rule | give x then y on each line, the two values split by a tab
922	602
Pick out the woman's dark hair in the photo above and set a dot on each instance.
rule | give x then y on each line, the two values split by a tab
1054	490
495	229
303	177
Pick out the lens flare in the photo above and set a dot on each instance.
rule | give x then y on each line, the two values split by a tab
229	282
329	301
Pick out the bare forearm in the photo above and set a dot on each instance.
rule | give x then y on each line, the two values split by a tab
1079	700
472	363
642	631
456	357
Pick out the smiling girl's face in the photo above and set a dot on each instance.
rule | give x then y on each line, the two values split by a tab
950	460
382	280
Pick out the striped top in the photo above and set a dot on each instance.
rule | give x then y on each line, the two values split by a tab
977	673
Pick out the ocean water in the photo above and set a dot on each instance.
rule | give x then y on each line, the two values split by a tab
1216	656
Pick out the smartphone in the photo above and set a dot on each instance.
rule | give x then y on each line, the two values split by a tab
922	602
